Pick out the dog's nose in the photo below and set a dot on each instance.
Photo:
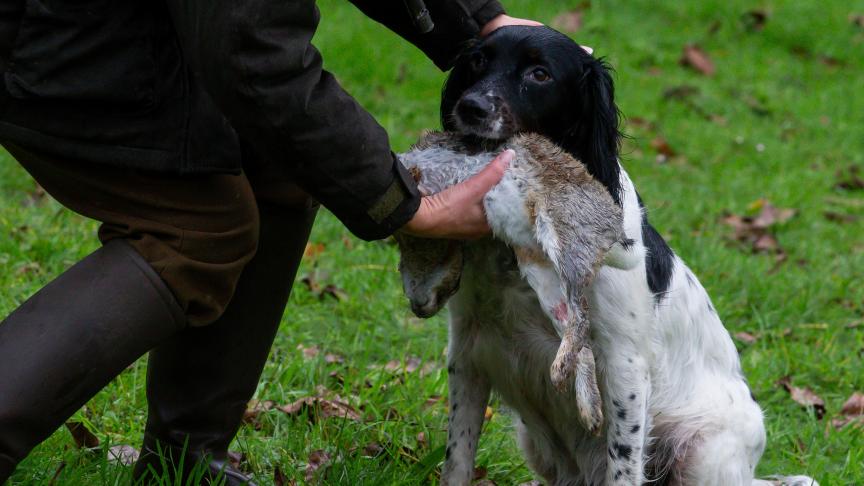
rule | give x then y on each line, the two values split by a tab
474	107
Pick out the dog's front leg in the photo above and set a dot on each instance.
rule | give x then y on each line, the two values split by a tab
628	386
469	395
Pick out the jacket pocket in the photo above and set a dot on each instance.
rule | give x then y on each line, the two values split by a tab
82	50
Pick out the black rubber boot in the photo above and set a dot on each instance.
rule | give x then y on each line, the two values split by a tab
71	338
199	382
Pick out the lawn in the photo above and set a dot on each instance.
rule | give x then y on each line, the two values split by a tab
777	121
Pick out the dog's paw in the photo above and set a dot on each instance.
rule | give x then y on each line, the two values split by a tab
588	401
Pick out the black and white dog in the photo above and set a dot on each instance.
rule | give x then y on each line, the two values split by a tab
678	409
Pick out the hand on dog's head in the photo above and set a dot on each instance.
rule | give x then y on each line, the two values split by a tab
535	79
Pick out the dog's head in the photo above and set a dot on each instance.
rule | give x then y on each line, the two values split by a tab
535	79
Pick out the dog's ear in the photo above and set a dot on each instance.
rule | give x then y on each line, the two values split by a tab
594	136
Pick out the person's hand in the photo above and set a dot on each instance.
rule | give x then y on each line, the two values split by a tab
503	20
457	212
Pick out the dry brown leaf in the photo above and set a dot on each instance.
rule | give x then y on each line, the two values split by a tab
854	405
755	230
695	58
313	250
333	358
279	478
857	19
568	21
850	179
372	449
746	337
422	442
253	411
488	414
838	217
433	400
309	352
123	454
804	396
321	408
84	439
662	147
480	472
755	20
236	458
318	459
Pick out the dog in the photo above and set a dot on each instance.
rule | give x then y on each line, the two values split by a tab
677	407
561	225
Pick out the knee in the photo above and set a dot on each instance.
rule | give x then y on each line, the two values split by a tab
203	264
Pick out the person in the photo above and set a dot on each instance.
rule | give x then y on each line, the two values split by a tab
202	135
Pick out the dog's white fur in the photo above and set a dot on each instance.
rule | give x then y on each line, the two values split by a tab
670	377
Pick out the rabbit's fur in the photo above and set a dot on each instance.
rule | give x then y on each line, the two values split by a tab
559	224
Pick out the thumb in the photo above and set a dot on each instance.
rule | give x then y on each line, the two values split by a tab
484	180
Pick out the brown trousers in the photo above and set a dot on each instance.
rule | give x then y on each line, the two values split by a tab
197	231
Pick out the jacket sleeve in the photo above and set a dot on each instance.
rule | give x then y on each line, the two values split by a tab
456	22
256	59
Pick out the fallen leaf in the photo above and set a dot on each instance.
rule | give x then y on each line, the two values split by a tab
321	408
487	415
236	458
123	454
309	352
857	20
279	478
422	442
313	250
433	400
253	411
745	337
755	230
831	61
851	413
60	467
331	290
804	396
755	20
479	473
662	147
84	439
318	459
854	405
333	358
842	218
695	58
850	179
568	21
372	449
680	92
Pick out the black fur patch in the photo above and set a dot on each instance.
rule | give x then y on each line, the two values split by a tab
659	261
622	450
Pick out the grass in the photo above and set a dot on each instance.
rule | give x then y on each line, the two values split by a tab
782	114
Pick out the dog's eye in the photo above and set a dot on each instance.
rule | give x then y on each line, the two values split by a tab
540	75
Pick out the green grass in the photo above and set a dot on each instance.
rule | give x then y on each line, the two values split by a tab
773	88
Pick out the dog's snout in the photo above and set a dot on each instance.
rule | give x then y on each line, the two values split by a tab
473	108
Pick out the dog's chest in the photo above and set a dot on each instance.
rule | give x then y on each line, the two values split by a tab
513	343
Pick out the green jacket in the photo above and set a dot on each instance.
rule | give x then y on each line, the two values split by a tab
173	86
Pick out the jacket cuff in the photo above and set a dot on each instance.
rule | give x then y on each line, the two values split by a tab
487	12
395	207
